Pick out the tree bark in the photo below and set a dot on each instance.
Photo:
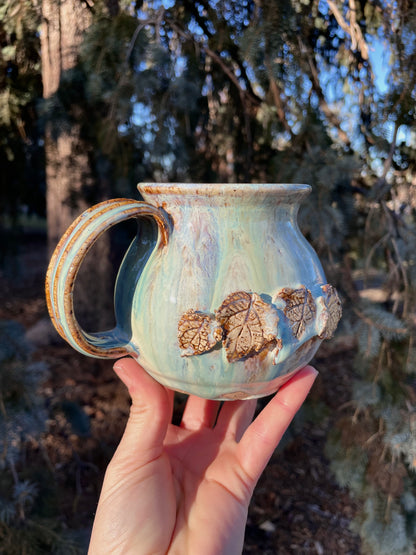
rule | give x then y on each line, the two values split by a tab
69	171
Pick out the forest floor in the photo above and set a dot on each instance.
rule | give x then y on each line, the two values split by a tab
297	507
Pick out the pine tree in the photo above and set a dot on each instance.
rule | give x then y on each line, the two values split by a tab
283	91
23	417
21	153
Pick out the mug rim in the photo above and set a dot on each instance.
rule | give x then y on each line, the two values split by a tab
213	189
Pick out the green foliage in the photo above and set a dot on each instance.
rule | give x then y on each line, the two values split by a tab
23	418
22	411
349	467
21	151
385	536
373	450
37	536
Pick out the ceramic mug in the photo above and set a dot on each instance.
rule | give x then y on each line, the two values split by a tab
221	296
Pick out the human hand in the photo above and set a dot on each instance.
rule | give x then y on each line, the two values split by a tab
186	489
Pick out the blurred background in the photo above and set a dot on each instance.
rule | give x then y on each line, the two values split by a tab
97	95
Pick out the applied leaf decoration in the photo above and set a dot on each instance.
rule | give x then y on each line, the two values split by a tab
331	313
249	323
198	333
300	308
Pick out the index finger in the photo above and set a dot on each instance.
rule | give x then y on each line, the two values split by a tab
265	432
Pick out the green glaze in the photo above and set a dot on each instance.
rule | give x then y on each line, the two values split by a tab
222	239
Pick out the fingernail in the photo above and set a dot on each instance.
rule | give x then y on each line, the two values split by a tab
118	365
121	369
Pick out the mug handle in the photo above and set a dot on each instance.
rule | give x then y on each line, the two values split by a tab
66	261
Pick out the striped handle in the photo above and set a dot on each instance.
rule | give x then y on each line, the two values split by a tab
66	261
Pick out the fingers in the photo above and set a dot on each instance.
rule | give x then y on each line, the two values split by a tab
235	417
199	413
150	414
263	435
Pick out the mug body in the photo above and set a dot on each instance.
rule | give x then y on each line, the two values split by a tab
235	303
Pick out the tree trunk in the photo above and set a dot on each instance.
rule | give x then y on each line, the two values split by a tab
69	171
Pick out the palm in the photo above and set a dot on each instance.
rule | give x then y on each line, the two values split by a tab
207	475
186	489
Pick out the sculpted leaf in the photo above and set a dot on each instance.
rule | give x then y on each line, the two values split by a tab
300	308
197	333
249	323
331	313
276	350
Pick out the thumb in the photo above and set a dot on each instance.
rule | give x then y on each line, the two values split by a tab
150	414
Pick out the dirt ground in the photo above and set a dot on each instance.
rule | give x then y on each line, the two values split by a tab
297	507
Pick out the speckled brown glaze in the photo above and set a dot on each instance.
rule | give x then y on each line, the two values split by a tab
62	272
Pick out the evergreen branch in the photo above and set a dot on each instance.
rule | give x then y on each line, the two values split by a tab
409	351
373	249
382	186
276	93
356	33
379	326
14	472
124	69
316	85
377	434
157	21
191	6
338	16
404	276
244	94
353	29
2	406
394	221
231	47
370	339
132	42
380	360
